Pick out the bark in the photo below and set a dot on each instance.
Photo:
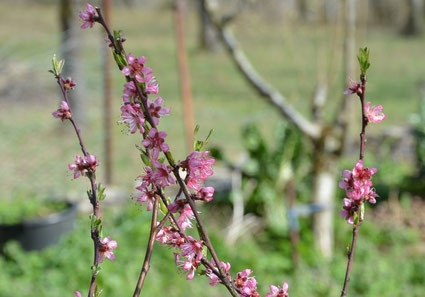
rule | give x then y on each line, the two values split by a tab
414	24
324	185
69	22
208	34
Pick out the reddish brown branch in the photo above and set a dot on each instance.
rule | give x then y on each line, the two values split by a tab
149	250
357	226
93	196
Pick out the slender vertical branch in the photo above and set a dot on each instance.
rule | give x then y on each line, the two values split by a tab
149	250
143	98
357	226
93	197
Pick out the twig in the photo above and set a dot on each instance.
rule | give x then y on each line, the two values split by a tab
149	249
93	198
273	96
357	226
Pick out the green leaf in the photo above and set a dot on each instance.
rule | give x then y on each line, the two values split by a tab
145	159
163	208
363	58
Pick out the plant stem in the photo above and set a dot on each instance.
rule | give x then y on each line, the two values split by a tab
93	198
149	250
357	226
143	98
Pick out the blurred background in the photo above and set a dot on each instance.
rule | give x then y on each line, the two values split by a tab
276	208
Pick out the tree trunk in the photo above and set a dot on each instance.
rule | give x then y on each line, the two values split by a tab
71	53
208	33
414	23
324	185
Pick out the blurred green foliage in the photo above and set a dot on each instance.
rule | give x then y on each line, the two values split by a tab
388	262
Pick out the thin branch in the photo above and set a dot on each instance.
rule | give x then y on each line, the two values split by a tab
149	250
272	95
93	198
357	226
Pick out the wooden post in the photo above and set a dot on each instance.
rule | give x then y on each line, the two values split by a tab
184	75
107	87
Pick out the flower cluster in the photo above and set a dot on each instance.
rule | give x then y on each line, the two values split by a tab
374	113
157	176
358	187
88	16
63	112
82	165
199	168
278	291
105	249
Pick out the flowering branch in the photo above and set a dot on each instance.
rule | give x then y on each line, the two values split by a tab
140	114
357	183
85	166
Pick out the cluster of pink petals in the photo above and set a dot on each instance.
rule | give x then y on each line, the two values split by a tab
354	88
188	265
155	141
186	214
77	294
205	194
156	110
132	115
214	279
191	248
68	83
88	16
374	113
358	187
276	291
130	91
63	112
105	249
158	176
146	196
136	69
82	165
169	236
246	284
199	168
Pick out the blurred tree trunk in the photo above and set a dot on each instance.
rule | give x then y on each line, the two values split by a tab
208	33
414	23
302	9
69	24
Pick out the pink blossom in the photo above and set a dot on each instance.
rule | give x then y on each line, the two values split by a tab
214	279
374	113
77	294
68	84
130	91
354	88
146	197
349	208
191	248
136	69
64	112
105	249
132	115
88	16
152	86
188	265
156	110
278	291
169	236
205	194
162	175
199	168
357	179
247	284
83	165
186	214
155	141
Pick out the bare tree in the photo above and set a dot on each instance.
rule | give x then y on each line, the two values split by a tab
327	138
